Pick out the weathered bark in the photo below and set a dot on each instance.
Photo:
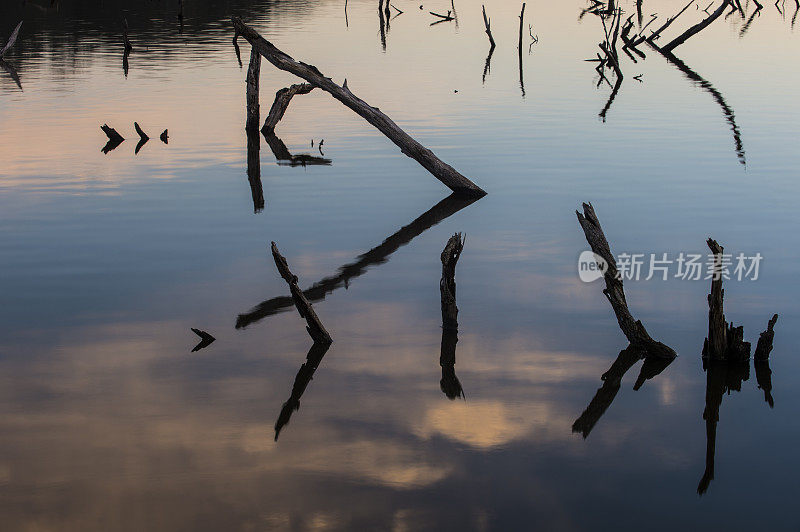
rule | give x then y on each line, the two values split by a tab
764	345
442	171
447	284
314	325
633	329
253	107
697	28
301	381
11	40
282	100
375	256
724	342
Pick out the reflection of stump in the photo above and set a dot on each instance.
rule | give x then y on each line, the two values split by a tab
254	170
449	384
764	345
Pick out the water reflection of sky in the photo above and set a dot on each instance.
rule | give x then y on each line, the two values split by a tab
109	422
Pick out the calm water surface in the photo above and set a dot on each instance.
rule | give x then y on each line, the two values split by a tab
109	422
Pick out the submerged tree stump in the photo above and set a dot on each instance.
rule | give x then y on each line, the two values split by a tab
447	285
725	342
253	107
764	345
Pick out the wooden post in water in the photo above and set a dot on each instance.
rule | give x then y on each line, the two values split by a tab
253	110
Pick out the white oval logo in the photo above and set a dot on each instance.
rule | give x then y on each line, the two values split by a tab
591	266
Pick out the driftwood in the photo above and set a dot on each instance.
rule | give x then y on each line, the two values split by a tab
254	170
724	342
633	330
375	256
11	40
301	381
697	28
764	345
205	339
114	138
282	99
447	284
314	325
253	107
442	171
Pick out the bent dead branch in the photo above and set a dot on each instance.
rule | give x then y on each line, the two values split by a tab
410	147
697	28
633	329
314	325
282	100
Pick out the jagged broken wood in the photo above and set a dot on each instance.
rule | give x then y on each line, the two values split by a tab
282	99
724	342
253	107
410	147
314	325
633	329
447	284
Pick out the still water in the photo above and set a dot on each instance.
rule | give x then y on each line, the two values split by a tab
110	422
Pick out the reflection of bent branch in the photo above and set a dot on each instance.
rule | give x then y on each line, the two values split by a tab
304	376
730	117
611	97
11	72
377	255
285	158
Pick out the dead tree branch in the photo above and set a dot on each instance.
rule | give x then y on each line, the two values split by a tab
442	171
633	329
282	100
11	40
697	28
314	325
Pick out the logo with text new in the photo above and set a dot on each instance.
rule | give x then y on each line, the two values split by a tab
591	266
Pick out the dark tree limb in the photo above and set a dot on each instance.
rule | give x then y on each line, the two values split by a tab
128	45
447	284
442	171
143	138
375	256
282	99
724	342
656	34
314	325
253	107
12	72
697	28
633	329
